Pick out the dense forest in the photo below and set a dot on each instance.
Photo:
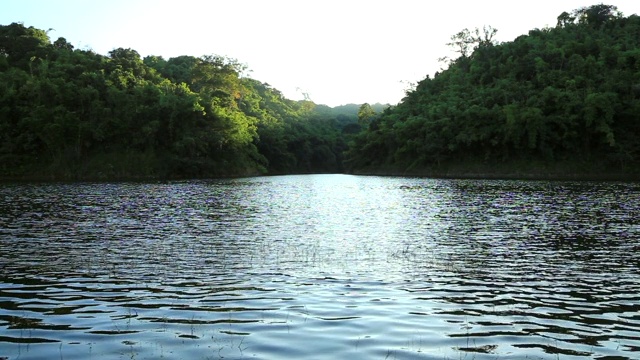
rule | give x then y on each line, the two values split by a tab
560	101
67	113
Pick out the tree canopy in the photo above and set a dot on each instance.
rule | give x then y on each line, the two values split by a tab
70	113
558	100
562	100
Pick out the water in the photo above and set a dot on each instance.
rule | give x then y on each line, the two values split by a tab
320	266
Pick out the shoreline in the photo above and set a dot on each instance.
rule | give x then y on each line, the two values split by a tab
506	176
515	170
462	175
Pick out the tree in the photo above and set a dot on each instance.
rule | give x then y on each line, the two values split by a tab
565	19
365	115
566	97
596	15
62	43
21	44
465	41
128	60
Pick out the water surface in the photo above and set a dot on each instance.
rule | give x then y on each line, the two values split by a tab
320	266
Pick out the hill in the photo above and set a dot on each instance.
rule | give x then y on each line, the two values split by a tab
75	114
562	101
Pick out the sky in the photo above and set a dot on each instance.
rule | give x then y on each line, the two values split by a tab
335	51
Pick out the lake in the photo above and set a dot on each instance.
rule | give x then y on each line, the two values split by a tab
320	267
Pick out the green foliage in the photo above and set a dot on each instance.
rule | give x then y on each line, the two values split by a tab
68	113
20	44
366	114
596	15
567	94
296	137
465	41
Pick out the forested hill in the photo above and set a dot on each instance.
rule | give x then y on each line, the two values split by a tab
559	101
67	113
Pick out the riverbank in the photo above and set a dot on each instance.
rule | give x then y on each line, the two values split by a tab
128	167
510	171
462	170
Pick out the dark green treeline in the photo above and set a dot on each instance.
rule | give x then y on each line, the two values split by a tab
558	101
74	114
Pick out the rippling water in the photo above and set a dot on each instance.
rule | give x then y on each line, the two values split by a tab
320	266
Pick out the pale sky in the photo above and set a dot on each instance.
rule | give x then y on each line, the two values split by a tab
337	51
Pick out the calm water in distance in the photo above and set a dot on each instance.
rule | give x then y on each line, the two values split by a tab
320	267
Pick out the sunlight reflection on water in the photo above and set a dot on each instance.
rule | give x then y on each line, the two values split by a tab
320	266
